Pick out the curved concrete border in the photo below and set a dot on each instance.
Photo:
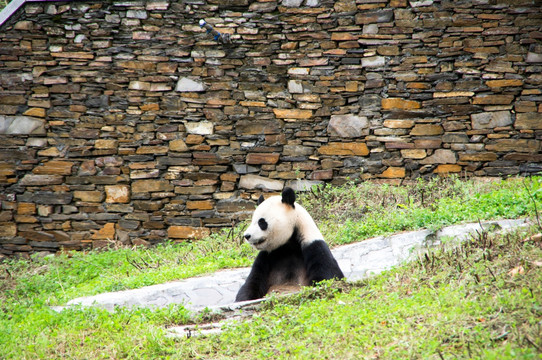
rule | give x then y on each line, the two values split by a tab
358	260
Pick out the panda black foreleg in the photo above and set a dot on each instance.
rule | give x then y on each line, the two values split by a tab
320	263
256	284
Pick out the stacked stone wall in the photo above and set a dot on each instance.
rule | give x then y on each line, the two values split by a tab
125	121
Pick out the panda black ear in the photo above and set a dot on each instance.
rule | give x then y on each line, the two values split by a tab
288	196
261	199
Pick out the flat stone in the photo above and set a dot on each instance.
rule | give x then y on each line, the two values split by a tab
426	130
187	232
398	103
393	172
478	156
398	124
533	57
493	99
413	153
260	182
292	113
376	16
8	230
19	125
178	145
107	232
516	145
200	128
89	196
117	194
303	185
349	126
447	168
39	180
491	120
373	61
344	149
440	156
188	85
262	158
529	121
54	167
151	186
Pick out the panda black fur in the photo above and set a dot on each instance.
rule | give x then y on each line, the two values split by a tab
292	249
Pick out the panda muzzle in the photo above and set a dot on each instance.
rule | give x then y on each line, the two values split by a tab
254	242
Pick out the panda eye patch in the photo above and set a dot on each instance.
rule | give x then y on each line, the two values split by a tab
263	224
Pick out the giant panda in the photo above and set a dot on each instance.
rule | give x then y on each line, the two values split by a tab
293	252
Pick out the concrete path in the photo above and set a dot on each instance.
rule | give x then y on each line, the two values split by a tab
359	260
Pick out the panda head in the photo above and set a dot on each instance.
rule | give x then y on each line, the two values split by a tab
273	222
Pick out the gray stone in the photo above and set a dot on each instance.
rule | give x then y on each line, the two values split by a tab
440	156
533	57
370	102
245	169
349	126
292	3
297	150
188	85
295	87
200	128
137	14
19	125
303	185
373	61
260	182
490	120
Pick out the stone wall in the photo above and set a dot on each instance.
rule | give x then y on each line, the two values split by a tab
125	121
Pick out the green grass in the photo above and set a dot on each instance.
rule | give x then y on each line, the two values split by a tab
461	303
416	311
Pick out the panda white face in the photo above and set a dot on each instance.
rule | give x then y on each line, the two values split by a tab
272	224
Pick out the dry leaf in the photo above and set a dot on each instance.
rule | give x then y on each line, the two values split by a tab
536	263
535	237
517	270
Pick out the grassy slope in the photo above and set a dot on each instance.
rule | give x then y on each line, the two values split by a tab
483	300
29	329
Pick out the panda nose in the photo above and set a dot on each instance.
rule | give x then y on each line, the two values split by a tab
247	236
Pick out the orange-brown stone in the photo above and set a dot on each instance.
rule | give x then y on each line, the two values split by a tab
504	83
344	149
187	232
413	153
393	172
105	233
401	104
54	167
426	130
200	205
529	121
262	158
151	186
117	194
447	168
292	113
88	196
493	99
26	208
479	156
398	124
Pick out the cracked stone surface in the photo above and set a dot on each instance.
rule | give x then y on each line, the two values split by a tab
359	260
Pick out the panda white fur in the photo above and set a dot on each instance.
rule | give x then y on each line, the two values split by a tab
292	249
